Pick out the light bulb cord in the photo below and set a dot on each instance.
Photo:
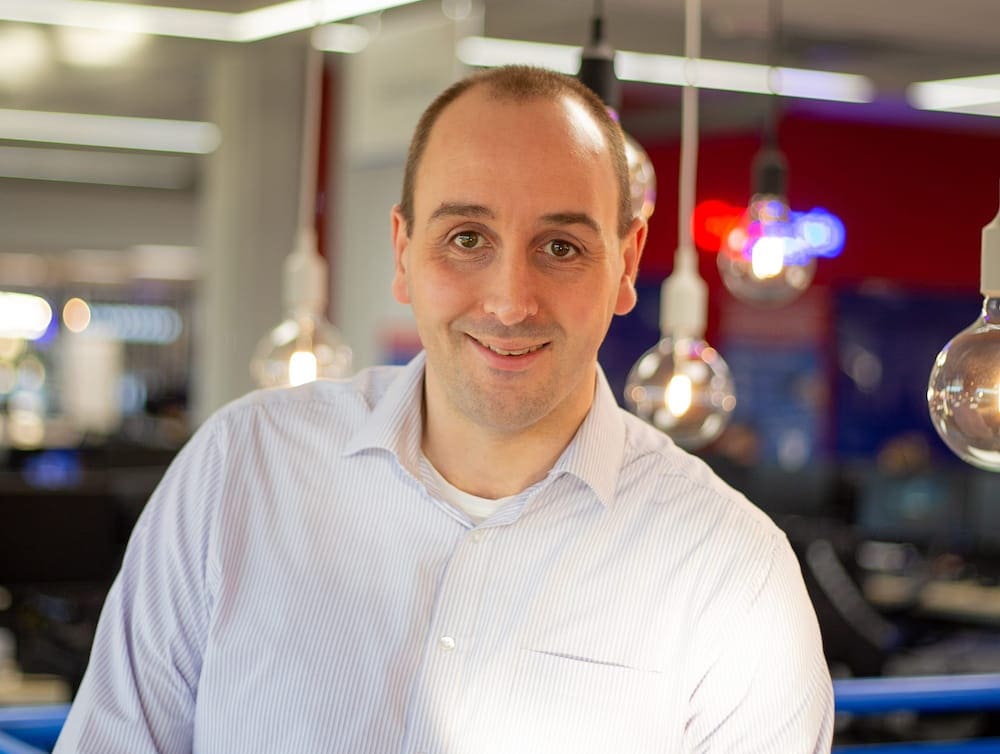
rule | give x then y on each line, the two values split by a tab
775	42
306	283
597	25
684	295
769	172
685	256
312	98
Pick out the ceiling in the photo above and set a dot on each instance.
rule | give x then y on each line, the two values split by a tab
894	42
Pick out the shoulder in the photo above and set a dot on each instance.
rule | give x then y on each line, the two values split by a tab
671	473
694	510
345	402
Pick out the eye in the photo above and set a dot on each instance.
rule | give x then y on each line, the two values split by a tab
560	249
467	239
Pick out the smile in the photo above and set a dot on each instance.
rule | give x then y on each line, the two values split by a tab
505	352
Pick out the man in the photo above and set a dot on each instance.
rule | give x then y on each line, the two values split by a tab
479	552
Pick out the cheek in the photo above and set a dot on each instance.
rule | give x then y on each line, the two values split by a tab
586	315
436	294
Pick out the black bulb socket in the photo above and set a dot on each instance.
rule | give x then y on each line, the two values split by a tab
770	172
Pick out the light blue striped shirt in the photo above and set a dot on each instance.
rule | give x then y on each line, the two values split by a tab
297	584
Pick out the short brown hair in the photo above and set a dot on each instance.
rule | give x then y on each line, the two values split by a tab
519	83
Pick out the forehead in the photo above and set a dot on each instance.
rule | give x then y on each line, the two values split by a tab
490	149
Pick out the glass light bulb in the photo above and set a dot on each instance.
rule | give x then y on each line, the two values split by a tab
302	368
683	387
303	348
760	260
641	178
963	393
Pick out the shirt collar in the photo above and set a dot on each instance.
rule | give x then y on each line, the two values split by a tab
594	455
395	423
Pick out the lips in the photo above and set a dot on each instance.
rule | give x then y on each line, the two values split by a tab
511	352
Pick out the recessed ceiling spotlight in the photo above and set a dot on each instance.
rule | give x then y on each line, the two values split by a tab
97	48
24	54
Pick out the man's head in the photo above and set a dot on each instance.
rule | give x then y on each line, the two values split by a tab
519	84
512	251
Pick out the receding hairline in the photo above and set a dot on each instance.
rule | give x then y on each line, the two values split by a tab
506	96
517	85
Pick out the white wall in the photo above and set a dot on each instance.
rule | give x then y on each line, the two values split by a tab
249	202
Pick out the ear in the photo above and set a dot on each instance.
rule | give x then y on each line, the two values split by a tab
632	246
400	243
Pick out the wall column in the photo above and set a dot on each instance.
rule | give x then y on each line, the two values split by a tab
248	210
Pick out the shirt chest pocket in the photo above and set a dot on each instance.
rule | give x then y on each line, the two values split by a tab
561	704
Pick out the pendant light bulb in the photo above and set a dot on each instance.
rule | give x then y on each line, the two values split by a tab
963	393
682	386
762	260
305	346
641	178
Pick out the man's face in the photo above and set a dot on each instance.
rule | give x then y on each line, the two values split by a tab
513	265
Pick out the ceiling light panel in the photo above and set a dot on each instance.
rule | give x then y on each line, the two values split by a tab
976	95
249	26
126	17
156	135
676	71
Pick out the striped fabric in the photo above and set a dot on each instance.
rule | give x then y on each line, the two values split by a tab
295	585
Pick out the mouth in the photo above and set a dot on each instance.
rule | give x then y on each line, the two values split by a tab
510	351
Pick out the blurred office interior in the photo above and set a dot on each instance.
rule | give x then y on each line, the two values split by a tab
163	269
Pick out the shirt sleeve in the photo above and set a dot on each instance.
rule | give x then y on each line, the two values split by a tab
768	690
138	693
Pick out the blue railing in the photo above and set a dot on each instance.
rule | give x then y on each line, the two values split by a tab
33	730
867	696
946	693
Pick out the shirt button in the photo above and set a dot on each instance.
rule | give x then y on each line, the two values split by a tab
477	535
447	643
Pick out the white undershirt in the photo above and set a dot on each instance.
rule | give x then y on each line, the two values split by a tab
477	508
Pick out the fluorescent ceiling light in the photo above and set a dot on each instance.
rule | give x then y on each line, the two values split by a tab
249	26
24	54
149	134
108	16
489	52
97	48
676	71
158	171
977	95
296	15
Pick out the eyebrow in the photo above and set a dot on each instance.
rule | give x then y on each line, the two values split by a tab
572	218
456	209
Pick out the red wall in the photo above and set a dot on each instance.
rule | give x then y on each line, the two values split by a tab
913	200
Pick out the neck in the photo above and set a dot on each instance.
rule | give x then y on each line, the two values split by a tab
489	462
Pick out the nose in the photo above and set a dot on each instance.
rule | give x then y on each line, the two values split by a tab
510	294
